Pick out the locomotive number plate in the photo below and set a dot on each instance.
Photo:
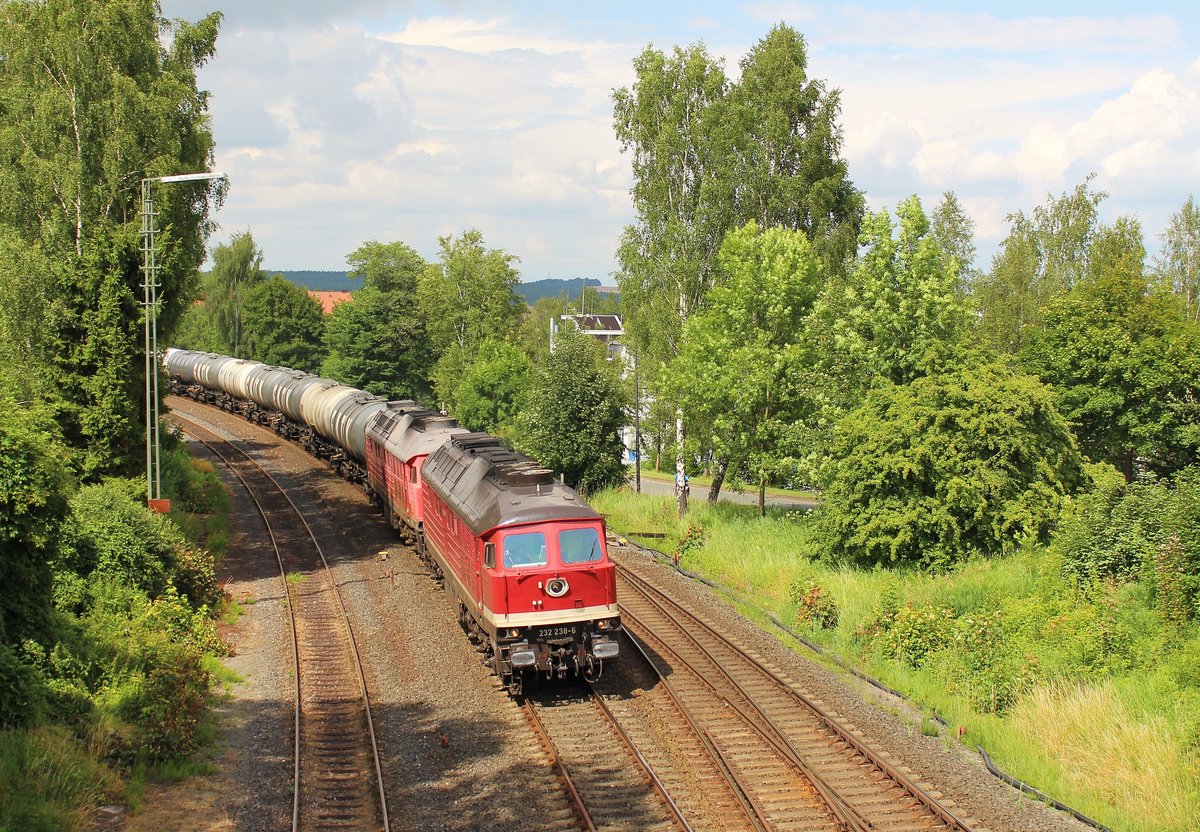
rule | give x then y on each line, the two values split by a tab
564	631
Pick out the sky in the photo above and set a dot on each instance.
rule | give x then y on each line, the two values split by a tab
398	120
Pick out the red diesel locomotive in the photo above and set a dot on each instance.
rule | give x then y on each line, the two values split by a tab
523	557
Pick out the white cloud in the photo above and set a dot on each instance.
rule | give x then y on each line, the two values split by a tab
917	28
337	126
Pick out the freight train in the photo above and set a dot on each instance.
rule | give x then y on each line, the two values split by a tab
522	556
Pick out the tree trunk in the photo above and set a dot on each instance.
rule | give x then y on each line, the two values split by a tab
1128	466
681	491
714	490
762	496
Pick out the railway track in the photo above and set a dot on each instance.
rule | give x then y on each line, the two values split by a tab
609	781
796	764
337	776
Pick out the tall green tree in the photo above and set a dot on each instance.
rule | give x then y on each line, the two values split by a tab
388	267
709	155
282	325
898	316
492	391
672	124
237	266
740	375
953	230
575	412
1179	261
1044	255
466	297
94	96
788	145
1124	361
377	343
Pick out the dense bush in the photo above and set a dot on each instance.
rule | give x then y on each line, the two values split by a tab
34	483
111	535
1148	529
192	484
815	605
974	461
22	692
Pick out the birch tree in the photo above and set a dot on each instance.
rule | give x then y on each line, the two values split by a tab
1179	261
95	95
670	124
708	156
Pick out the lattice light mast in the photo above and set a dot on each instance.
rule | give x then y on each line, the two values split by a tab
150	303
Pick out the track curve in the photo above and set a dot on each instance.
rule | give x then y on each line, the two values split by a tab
337	775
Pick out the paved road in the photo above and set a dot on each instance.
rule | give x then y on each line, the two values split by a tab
700	492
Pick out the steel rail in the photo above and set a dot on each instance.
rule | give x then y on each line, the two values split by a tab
556	762
846	815
645	764
752	809
295	644
897	776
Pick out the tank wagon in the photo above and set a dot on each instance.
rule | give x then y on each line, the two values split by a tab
522	555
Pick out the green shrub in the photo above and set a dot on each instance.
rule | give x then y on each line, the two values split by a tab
1147	529
980	663
34	484
113	534
692	540
815	605
192	484
22	690
167	704
911	634
971	462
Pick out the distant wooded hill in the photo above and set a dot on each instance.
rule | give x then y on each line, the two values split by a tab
532	291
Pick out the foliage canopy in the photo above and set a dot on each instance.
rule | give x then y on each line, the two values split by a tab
95	95
972	461
574	414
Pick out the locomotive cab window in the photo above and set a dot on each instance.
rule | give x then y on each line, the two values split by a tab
528	549
579	546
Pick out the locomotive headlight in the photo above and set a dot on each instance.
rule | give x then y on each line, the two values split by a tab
513	633
605	649
557	587
523	658
608	623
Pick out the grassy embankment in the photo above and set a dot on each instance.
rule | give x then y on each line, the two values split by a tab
116	691
1091	697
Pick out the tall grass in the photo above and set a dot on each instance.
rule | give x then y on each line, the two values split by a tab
48	782
1113	734
1122	761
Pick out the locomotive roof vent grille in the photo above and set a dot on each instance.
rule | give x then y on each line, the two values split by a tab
424	420
533	477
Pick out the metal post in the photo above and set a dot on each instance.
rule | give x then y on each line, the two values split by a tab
637	428
150	305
